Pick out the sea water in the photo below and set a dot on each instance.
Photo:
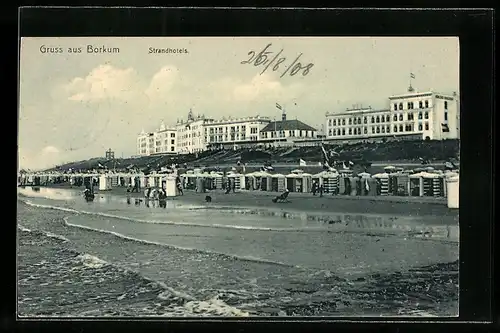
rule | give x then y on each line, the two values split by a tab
110	258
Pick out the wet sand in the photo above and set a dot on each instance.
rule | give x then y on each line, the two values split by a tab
434	210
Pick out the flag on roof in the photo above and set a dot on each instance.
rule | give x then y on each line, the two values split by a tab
279	106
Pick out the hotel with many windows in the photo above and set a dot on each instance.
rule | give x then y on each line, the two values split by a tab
422	116
199	133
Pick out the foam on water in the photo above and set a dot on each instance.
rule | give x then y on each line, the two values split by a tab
45	233
246	258
190	306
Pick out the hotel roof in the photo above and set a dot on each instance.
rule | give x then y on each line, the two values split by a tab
287	125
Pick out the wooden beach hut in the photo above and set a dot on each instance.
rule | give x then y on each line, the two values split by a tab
265	181
399	184
217	177
428	183
453	190
278	182
383	183
364	186
104	182
293	182
306	182
236	179
330	181
251	181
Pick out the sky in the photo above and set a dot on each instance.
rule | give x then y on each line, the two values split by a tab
74	106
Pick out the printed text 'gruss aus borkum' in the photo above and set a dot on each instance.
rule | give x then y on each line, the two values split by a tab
51	49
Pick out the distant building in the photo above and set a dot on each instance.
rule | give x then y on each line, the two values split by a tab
191	134
422	116
161	141
145	143
238	131
110	155
198	134
287	130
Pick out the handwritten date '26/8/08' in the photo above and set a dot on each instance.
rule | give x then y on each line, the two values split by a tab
265	58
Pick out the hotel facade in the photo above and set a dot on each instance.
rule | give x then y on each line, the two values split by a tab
199	133
412	116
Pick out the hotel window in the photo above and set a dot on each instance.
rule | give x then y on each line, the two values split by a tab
172	148
395	129
343	131
419	127
373	130
172	141
334	132
420	105
350	131
373	119
359	120
383	129
395	117
330	132
350	121
330	122
338	132
378	129
382	119
359	130
290	133
400	117
401	128
395	106
365	120
445	105
388	130
343	121
172	135
401	106
446	116
387	118
355	121
426	104
334	122
426	115
366	131
378	119
410	116
426	126
420	115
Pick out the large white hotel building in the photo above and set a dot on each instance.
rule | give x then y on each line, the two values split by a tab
424	116
199	133
412	116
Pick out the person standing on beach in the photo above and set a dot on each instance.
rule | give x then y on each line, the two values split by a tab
314	188
178	182
321	189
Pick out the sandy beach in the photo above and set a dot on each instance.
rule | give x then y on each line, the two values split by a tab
432	209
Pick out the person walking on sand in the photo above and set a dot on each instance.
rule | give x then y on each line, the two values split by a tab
179	186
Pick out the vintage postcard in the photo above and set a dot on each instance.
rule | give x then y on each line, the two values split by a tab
238	177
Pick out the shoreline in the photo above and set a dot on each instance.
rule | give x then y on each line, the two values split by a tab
432	209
